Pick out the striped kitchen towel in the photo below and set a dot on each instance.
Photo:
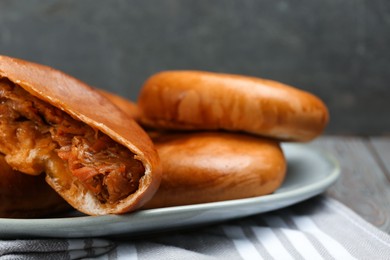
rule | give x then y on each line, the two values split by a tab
319	228
47	249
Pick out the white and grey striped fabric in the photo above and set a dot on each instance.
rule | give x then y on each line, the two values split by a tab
320	228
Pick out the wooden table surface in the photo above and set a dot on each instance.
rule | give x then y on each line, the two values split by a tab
364	183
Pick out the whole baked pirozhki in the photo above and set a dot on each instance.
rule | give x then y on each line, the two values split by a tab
94	155
205	100
202	167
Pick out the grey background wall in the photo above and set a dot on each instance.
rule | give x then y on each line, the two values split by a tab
336	49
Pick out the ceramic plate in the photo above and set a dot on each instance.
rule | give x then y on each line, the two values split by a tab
310	172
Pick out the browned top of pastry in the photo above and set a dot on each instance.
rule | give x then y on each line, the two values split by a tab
205	100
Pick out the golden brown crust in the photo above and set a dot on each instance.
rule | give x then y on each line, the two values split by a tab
26	196
87	105
215	166
205	100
